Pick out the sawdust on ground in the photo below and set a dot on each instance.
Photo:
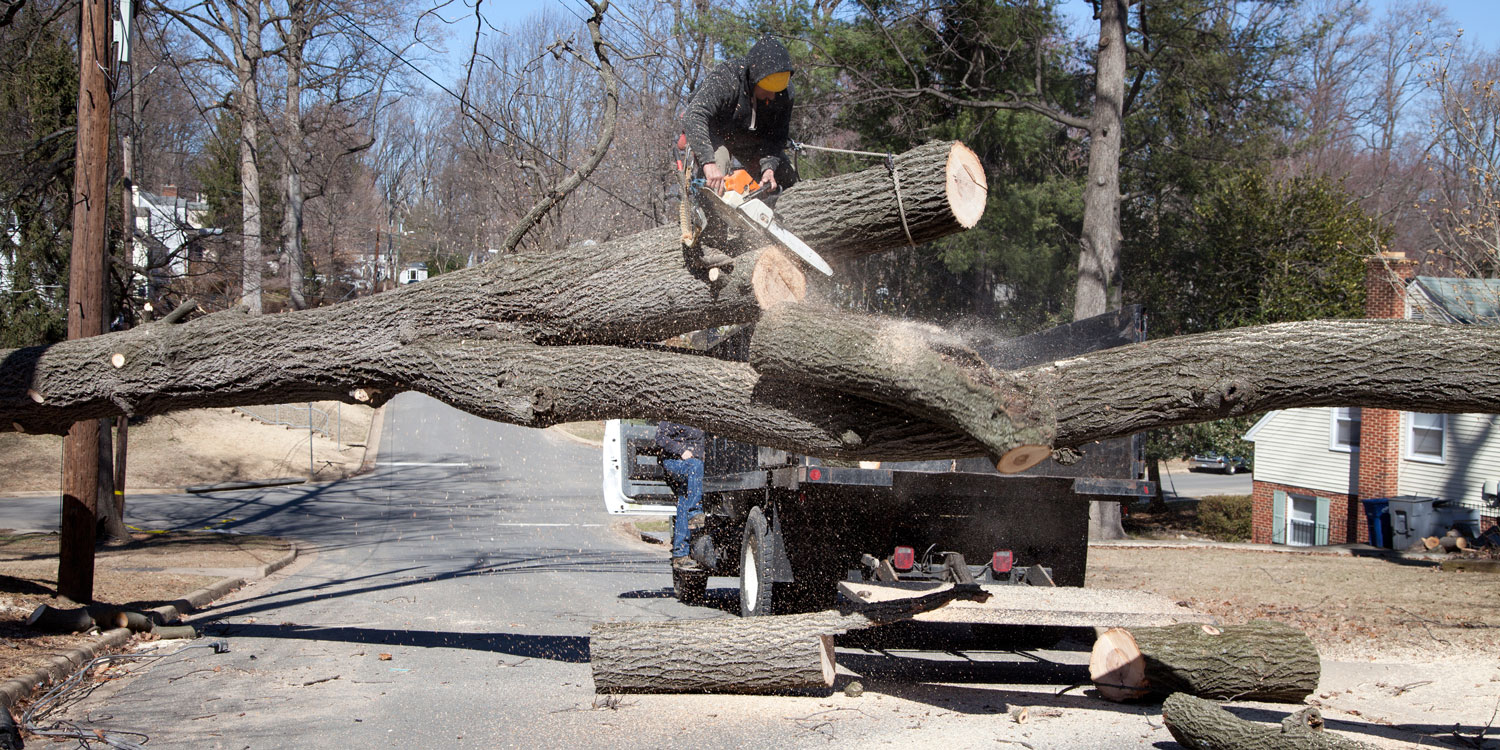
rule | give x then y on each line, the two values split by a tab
154	569
200	446
1354	608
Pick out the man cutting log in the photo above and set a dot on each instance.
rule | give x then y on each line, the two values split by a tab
741	113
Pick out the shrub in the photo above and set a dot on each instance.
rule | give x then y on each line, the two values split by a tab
1225	518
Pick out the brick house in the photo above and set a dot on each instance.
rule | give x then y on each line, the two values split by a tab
1313	466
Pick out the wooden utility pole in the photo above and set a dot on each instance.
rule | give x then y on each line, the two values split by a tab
86	313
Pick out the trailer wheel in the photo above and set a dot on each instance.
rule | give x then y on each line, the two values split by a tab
755	566
690	587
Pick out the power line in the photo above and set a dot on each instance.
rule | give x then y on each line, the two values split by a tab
349	23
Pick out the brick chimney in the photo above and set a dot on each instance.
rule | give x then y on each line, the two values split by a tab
1386	277
170	191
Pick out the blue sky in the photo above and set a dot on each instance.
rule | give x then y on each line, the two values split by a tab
1480	19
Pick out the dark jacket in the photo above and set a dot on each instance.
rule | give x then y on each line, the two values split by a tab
720	111
674	439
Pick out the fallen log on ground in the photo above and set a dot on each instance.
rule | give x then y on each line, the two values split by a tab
1198	724
1261	660
56	620
775	654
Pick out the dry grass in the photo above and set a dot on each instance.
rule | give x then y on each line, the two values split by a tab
154	569
198	446
1353	607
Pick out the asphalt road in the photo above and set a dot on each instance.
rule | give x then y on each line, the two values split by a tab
1195	484
477	556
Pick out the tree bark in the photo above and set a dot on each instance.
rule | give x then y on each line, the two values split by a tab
1098	288
247	63
1200	725
1099	261
773	654
1264	661
907	365
294	41
540	338
56	620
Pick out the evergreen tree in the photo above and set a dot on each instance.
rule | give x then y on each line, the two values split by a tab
38	110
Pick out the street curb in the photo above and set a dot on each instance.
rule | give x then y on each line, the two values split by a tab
59	666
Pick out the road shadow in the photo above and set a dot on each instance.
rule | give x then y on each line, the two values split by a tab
721	599
570	649
499	564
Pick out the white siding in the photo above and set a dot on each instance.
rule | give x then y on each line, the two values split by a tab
1291	447
1471	456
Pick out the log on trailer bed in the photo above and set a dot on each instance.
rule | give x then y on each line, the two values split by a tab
1200	725
1260	660
774	654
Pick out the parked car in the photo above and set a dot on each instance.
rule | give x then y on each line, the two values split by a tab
1216	462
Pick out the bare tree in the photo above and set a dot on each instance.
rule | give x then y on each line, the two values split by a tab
229	37
1464	206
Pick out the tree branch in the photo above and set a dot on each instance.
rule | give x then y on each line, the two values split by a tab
601	146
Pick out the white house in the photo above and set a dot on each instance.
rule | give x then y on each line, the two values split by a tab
166	225
1314	466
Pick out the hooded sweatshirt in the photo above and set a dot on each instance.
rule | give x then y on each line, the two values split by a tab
724	110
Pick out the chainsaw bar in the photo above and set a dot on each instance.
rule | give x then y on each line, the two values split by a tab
755	218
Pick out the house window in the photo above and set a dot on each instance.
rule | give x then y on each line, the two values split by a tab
1343	433
1301	521
1424	436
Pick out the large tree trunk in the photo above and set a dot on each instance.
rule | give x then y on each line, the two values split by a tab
1263	661
740	655
247	54
540	338
1099	262
1098	288
1200	725
291	221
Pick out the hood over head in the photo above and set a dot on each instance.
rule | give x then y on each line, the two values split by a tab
768	56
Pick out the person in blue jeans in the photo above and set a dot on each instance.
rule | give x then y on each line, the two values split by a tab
682	463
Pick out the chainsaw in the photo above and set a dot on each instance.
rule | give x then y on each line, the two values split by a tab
745	210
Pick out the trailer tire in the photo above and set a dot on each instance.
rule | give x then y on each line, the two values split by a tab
690	587
755	566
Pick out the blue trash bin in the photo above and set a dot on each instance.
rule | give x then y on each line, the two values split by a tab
1378	516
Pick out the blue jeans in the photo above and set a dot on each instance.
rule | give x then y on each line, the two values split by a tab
685	477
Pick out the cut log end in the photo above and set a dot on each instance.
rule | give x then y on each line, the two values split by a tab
1117	668
777	279
1022	458
117	359
967	187
57	620
37	397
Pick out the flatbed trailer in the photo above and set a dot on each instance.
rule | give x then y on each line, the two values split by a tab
793	527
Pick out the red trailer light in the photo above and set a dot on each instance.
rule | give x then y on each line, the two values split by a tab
814	475
1001	561
903	558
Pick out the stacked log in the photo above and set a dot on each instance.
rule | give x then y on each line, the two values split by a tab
1261	660
776	654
